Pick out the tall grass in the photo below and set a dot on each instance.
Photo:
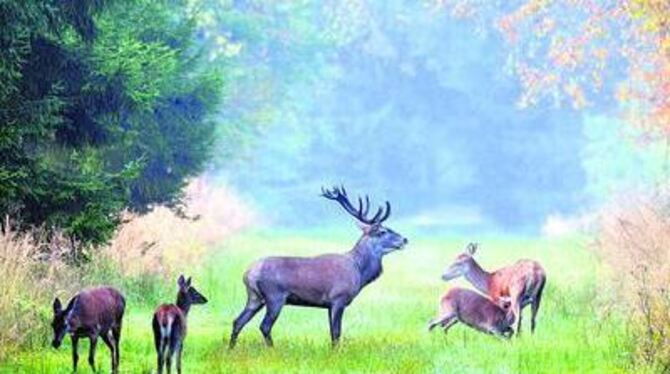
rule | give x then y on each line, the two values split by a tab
384	329
634	246
32	273
145	256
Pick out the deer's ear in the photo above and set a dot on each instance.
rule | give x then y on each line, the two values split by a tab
181	282
472	248
188	282
58	307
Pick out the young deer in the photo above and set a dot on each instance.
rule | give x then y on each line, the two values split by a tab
92	313
477	311
523	282
169	324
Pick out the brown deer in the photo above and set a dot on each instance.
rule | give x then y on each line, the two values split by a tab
329	281
523	282
169	324
477	311
92	313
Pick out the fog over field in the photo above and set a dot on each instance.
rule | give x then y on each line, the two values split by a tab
422	110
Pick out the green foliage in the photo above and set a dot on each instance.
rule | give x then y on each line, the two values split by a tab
104	106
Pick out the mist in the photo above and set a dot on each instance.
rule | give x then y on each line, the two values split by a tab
421	110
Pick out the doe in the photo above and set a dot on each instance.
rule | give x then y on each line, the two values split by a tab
522	281
92	313
169	324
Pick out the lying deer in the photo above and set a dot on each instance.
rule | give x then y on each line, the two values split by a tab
330	281
477	311
92	313
523	282
169	324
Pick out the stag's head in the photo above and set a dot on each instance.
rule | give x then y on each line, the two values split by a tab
462	264
380	239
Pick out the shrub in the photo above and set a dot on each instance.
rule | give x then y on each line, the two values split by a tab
634	244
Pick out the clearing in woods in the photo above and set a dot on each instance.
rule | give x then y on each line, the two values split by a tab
385	328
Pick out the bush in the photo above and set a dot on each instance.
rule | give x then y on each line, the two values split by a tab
634	244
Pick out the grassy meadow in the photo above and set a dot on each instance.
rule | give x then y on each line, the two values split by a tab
384	330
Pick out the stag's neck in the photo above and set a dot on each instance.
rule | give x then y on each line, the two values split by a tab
369	265
479	278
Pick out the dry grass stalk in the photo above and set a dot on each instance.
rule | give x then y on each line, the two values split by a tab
634	244
160	243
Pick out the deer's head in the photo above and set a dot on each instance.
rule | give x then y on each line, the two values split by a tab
59	323
505	303
461	264
378	238
187	294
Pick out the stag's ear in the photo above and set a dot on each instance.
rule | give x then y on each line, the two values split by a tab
181	282
188	282
58	307
472	248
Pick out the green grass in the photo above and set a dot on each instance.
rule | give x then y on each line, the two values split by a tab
384	330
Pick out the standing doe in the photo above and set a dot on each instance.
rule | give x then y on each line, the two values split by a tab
169	324
329	281
476	311
92	313
523	282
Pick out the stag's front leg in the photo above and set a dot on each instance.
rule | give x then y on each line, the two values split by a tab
335	317
75	354
91	352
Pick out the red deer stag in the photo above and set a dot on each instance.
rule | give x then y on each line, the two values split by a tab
92	313
523	282
329	281
169	324
476	311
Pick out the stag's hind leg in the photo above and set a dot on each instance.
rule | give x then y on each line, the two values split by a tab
272	309
254	305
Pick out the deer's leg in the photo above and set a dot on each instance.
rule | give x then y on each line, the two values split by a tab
75	354
535	307
446	325
180	348
442	319
116	334
254	304
91	351
517	313
335	316
158	344
109	341
272	309
114	347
